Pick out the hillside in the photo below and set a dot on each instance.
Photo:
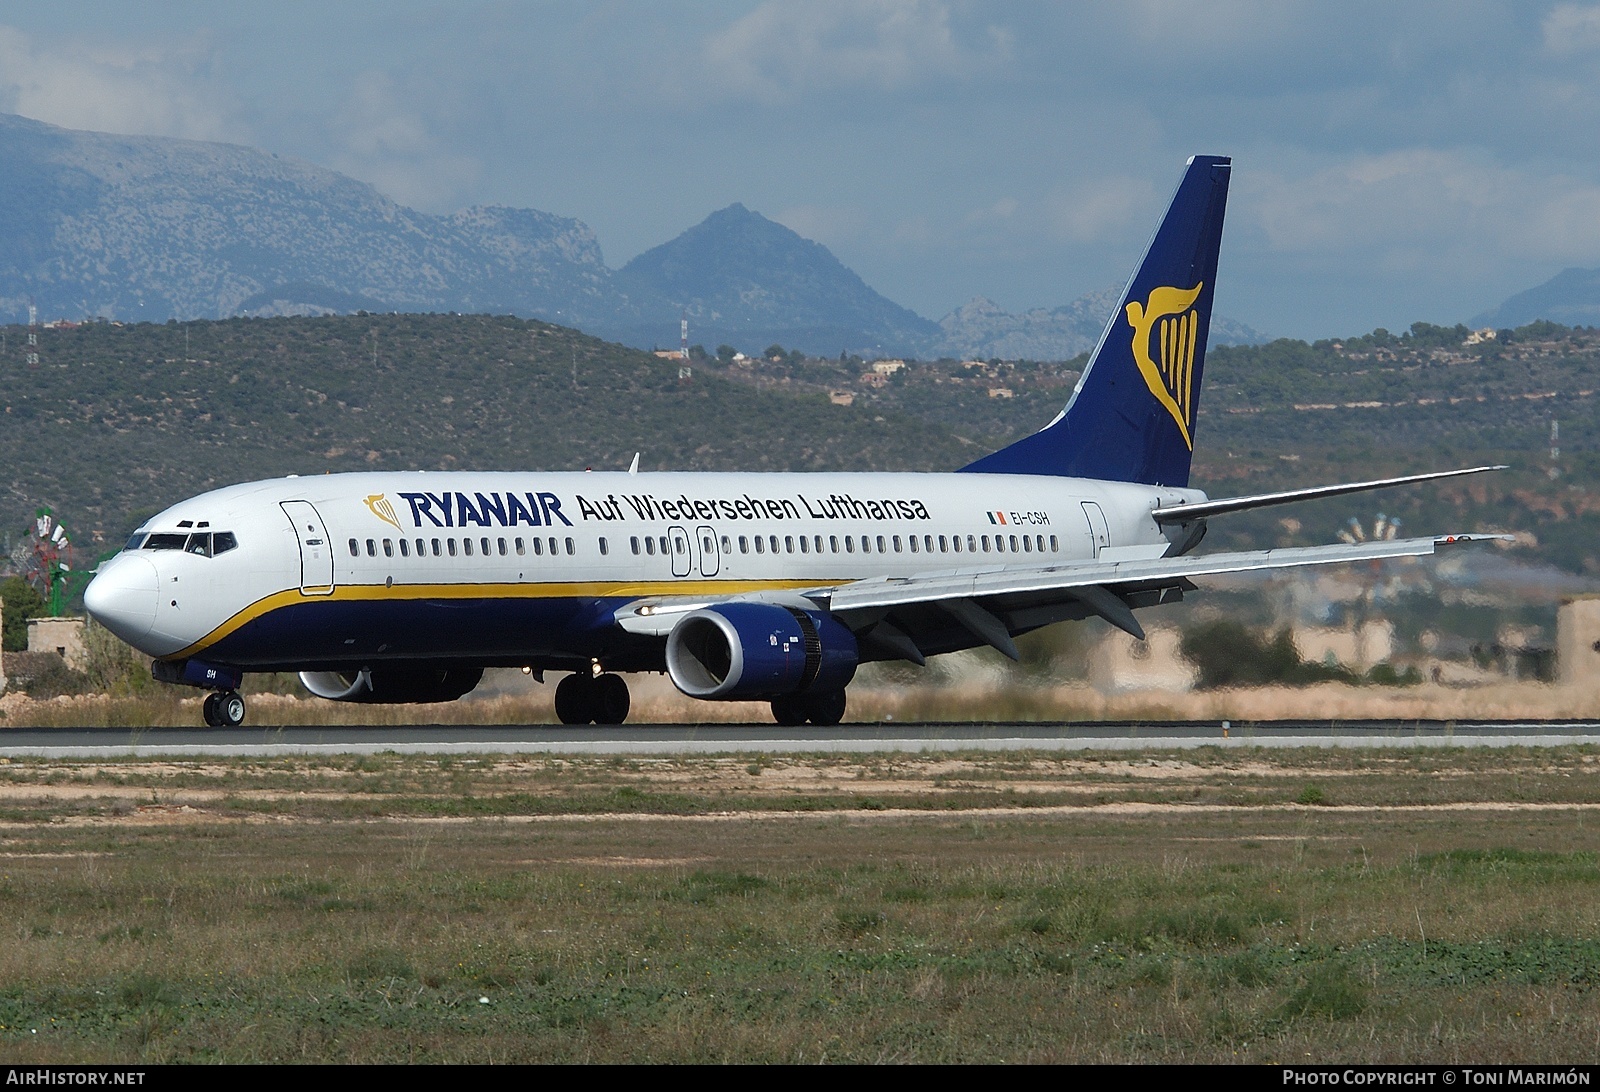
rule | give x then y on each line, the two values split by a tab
1571	297
120	420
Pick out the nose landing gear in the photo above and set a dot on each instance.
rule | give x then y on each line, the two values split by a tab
223	709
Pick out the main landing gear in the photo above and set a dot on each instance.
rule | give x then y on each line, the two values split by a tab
583	698
223	709
824	709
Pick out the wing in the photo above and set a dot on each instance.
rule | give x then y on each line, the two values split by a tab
914	617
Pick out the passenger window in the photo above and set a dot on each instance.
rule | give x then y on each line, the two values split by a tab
650	546
955	540
850	543
388	547
1025	543
817	542
604	547
634	542
199	544
927	544
522	547
466	546
986	543
663	545
727	545
450	543
774	540
896	543
222	542
972	545
911	540
881	550
1055	545
355	548
804	544
833	543
707	544
372	548
570	548
943	545
744	545
501	544
554	549
761	546
538	547
436	549
866	544
1000	544
788	544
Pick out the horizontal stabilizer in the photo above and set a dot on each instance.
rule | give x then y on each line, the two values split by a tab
1184	513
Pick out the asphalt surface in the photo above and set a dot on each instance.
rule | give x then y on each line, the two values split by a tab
667	739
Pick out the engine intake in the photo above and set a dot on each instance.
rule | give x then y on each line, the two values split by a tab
393	685
758	651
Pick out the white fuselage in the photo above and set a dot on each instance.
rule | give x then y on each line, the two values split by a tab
526	568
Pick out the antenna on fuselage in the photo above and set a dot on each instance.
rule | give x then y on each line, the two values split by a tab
633	467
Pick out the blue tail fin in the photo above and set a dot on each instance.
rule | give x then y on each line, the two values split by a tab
1131	418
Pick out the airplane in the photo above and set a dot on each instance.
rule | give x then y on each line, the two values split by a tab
770	587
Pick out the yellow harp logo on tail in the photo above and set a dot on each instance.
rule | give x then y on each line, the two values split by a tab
1168	322
380	506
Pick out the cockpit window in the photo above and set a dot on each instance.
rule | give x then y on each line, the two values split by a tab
166	542
222	542
199	544
136	541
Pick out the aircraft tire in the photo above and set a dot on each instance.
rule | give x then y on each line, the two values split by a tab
610	699
575	699
825	709
230	709
208	710
789	710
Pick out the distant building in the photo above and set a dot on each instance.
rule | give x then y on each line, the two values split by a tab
1478	337
1120	664
1578	641
841	398
1001	392
673	354
62	636
1357	647
887	367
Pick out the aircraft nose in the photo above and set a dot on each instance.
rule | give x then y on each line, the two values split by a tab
123	597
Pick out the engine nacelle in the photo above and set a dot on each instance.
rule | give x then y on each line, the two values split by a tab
393	685
757	651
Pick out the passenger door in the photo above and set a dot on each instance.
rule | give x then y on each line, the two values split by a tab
682	551
710	554
316	552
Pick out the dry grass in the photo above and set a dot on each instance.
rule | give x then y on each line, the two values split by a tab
656	702
1432	906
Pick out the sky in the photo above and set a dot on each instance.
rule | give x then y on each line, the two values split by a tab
1393	162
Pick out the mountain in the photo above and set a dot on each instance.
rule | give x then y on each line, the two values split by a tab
153	228
1571	297
747	281
981	330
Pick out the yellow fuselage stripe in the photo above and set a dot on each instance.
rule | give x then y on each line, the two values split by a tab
593	589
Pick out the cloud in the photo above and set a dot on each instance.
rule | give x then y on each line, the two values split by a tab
378	136
1427	208
780	48
1572	28
148	91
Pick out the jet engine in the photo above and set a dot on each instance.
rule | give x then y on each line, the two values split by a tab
393	685
758	651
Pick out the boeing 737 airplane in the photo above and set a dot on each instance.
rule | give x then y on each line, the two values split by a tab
404	587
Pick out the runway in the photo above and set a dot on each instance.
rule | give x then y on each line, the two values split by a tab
681	739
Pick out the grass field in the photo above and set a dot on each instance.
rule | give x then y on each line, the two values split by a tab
1438	905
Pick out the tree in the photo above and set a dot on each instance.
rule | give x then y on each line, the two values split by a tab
776	352
19	602
726	353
